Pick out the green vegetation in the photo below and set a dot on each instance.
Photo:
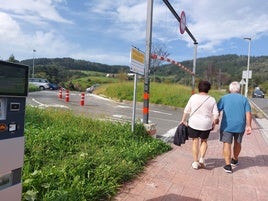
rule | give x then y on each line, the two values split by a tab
32	88
160	93
92	78
71	157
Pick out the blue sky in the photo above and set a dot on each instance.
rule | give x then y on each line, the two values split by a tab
103	31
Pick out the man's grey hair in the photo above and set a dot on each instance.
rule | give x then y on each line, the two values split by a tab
234	87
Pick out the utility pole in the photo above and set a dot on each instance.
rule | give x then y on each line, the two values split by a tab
246	88
33	61
147	64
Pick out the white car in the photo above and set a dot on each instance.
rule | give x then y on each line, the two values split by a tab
41	83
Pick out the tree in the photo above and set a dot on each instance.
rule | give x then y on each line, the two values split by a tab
12	59
159	50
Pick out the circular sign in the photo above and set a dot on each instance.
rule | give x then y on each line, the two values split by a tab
183	22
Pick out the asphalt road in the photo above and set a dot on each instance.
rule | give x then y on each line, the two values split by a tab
261	104
166	118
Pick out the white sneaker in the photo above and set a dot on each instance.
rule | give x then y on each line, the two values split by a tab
195	165
202	162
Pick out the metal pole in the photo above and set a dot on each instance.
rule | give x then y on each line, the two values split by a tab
147	61
33	62
246	88
194	66
134	103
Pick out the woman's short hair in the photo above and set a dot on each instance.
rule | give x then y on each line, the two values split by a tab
204	86
234	87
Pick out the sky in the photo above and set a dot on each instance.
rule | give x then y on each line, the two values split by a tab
104	31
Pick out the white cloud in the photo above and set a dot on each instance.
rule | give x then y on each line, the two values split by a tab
103	31
43	9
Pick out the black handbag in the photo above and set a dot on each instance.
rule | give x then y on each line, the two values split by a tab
181	135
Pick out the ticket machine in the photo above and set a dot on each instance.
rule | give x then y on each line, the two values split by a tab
13	92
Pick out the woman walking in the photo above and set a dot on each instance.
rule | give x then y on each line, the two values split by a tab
202	113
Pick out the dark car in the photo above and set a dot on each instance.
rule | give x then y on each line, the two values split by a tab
258	93
53	86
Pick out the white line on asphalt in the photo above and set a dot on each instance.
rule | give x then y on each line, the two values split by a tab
155	111
45	105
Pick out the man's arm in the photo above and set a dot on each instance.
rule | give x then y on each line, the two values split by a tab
248	123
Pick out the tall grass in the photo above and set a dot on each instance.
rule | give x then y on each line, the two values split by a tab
71	157
160	93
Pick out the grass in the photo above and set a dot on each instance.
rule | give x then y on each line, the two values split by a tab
160	93
70	157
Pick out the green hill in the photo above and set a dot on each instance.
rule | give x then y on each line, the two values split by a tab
219	70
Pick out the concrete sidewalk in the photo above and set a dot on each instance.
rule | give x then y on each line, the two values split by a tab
170	177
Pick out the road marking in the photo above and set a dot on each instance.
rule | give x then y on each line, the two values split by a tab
155	111
119	116
159	112
45	105
124	106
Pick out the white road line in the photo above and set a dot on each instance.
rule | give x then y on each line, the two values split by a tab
155	111
159	112
45	105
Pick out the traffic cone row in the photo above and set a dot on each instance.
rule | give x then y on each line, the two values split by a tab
67	96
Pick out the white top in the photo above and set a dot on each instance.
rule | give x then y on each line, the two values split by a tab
203	118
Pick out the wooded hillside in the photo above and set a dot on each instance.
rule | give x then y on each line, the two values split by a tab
219	70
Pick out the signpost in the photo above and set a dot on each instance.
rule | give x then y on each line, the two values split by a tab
137	61
137	67
246	74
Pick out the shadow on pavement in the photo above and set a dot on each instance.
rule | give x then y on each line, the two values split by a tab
244	162
173	197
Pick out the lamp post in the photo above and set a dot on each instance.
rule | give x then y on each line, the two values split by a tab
246	88
33	62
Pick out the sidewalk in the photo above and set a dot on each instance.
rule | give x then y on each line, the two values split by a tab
170	177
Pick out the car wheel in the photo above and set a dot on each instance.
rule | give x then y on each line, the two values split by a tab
42	88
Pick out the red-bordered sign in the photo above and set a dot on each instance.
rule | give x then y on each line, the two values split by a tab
183	22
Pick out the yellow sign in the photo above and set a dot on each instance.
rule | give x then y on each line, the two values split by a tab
137	61
137	55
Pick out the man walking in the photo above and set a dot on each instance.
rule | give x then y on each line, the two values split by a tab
236	120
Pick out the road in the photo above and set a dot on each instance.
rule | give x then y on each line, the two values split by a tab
166	118
262	104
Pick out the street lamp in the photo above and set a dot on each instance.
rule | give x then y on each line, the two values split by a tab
246	88
33	62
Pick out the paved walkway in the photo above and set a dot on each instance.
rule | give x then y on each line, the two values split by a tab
170	177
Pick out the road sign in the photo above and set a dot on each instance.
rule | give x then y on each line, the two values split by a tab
242	82
183	22
245	74
137	61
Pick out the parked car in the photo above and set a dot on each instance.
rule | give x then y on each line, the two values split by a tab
41	83
258	93
92	88
53	86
